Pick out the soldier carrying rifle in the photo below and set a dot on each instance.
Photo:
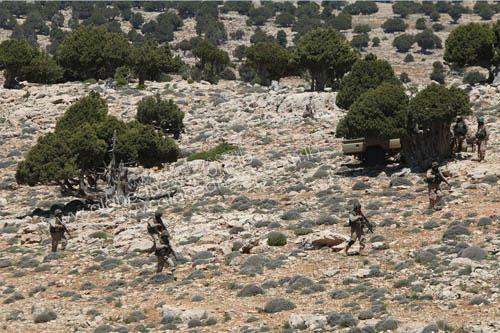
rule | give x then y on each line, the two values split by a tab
161	243
357	221
57	229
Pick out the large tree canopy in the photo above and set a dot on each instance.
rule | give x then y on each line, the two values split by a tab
475	44
270	61
77	155
14	56
430	114
149	60
326	55
365	74
92	52
422	124
379	113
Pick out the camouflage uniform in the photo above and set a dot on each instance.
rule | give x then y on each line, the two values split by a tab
356	222
308	113
434	177
162	250
57	231
161	241
482	137
459	133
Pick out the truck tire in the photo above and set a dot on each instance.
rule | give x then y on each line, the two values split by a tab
374	155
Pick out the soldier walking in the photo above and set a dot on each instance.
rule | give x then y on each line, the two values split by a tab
459	133
57	229
309	113
434	178
161	242
357	221
482	136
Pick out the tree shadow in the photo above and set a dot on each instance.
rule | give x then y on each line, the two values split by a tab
71	208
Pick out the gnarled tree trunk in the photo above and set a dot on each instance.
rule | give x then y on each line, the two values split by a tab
422	147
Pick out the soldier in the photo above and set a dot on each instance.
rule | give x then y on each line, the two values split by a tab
57	230
161	242
308	113
482	136
156	226
357	221
434	177
459	133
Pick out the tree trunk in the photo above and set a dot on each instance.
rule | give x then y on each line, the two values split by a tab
10	80
422	147
320	80
493	77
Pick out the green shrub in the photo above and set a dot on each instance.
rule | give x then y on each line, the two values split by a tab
394	25
99	235
362	29
277	240
214	154
474	77
302	231
420	24
438	27
121	75
375	41
161	114
404	77
409	58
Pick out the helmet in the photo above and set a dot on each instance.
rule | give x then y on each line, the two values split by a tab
158	213
459	118
58	212
435	165
356	206
480	120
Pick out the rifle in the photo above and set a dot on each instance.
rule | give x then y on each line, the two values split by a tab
441	177
64	227
171	251
159	220
368	224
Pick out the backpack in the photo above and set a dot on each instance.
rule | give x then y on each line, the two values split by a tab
460	129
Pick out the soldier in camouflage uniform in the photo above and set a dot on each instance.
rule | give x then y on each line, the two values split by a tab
459	133
356	222
57	230
482	136
156	226
434	177
161	242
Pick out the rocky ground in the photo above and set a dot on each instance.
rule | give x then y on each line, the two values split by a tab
420	269
422	272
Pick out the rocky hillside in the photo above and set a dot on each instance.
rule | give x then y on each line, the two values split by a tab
422	272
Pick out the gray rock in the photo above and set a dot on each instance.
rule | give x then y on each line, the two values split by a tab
45	317
432	328
400	181
426	257
455	230
489	179
202	255
430	225
485	220
358	186
250	290
367	314
386	325
339	294
474	253
478	300
278	305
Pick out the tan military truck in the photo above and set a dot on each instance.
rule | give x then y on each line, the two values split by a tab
371	150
